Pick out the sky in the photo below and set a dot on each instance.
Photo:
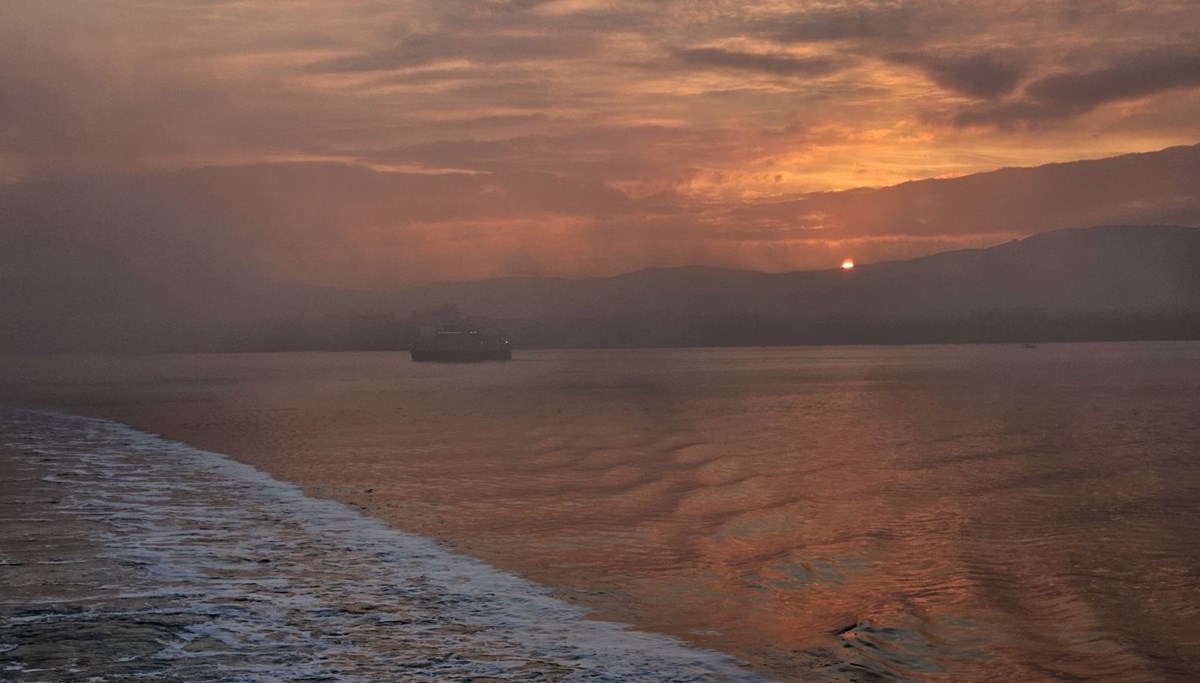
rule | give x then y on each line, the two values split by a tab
579	137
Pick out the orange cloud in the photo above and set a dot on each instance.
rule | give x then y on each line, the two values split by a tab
578	137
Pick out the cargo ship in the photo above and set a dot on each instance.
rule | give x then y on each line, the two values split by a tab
461	345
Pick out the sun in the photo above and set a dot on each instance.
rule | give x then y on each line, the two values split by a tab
848	264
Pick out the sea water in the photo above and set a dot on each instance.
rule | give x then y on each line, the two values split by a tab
235	576
923	513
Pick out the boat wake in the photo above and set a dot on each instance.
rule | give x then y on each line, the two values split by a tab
129	556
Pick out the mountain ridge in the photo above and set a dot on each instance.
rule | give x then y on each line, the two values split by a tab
1038	259
1105	282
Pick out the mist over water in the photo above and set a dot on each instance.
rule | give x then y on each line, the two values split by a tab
937	513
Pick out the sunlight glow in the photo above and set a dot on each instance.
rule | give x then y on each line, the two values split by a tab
848	264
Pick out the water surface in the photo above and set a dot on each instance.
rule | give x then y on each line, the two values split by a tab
152	560
934	513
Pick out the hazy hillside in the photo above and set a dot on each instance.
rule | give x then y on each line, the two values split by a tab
1133	268
191	259
1107	268
1139	274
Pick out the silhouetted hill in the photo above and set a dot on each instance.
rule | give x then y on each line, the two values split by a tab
1130	268
200	259
1127	268
1116	282
1149	188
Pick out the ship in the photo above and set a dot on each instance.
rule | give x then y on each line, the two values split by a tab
461	345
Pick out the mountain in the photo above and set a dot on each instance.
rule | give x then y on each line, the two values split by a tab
1101	283
1114	282
193	259
1149	188
1120	282
1116	268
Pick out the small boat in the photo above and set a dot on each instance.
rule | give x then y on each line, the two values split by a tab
1029	346
461	345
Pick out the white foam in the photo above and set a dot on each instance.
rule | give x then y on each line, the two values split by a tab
275	584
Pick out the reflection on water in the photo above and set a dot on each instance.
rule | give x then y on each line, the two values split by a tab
160	562
943	513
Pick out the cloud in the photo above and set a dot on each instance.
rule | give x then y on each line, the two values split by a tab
1068	94
477	47
709	107
703	163
1134	76
774	64
982	76
851	22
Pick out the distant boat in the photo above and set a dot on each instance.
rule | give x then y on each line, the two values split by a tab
461	345
1029	346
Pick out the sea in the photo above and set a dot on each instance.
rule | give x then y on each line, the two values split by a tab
924	513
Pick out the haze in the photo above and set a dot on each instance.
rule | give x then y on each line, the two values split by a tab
262	263
375	145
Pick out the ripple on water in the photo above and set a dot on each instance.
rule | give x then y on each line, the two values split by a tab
213	571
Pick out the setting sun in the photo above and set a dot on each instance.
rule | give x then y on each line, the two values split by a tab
848	264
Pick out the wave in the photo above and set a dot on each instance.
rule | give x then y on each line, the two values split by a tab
187	565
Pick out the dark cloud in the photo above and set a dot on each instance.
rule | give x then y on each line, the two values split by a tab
487	34
482	48
852	22
775	64
1134	76
975	75
1064	95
